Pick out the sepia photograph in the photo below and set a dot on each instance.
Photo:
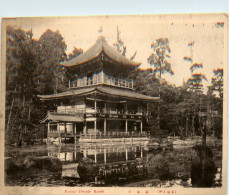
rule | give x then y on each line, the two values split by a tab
136	102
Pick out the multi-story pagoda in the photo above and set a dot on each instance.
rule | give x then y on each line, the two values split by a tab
100	103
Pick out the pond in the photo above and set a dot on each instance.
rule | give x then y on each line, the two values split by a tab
133	165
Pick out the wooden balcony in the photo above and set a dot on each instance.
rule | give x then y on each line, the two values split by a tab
100	135
104	111
61	134
101	78
115	134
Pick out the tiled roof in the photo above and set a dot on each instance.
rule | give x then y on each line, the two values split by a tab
99	47
103	89
57	117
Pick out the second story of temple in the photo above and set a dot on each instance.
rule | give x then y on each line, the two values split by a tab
100	64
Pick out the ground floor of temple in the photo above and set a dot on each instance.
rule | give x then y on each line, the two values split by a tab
97	129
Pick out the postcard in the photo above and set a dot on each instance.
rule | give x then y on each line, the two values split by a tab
132	104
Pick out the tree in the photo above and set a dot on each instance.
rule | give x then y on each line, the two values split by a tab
32	67
196	79
159	60
215	118
145	82
195	84
159	57
51	53
76	52
21	62
120	47
217	82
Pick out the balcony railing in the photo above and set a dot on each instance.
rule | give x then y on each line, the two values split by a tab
99	134
103	111
115	134
101	78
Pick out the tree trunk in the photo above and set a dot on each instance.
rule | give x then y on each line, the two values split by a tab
159	104
11	108
19	141
29	109
204	134
193	125
186	126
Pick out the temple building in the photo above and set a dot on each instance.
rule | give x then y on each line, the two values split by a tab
101	103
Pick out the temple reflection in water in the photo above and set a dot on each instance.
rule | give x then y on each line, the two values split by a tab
129	165
103	161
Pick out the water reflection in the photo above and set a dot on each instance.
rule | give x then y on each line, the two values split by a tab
139	165
103	164
203	168
120	165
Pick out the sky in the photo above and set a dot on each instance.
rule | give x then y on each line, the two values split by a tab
138	32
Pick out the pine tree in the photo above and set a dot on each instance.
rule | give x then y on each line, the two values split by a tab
121	47
217	82
76	52
195	84
159	60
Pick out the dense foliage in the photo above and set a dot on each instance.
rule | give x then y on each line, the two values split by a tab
183	112
32	67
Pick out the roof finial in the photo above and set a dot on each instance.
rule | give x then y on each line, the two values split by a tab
100	31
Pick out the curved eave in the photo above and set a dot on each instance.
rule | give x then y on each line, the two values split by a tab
94	51
122	93
130	65
57	117
106	90
64	94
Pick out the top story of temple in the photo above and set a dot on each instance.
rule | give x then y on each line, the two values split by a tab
100	70
100	64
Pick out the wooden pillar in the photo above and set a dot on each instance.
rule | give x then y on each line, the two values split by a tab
74	129
65	131
74	156
95	155
75	153
126	126
126	107
141	153
85	152
95	127
103	81
48	132
85	128
95	122
65	128
43	109
135	152
59	133
105	120
105	126
105	104
147	117
95	106
105	156
126	154
141	126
